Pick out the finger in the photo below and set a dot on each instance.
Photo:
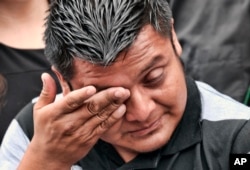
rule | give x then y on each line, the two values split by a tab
86	132
74	99
111	120
111	102
106	102
60	116
48	92
98	108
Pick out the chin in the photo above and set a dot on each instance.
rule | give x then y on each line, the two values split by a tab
149	144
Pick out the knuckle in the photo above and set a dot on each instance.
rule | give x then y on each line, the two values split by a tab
69	128
106	124
44	94
113	102
102	116
71	102
113	106
87	136
93	108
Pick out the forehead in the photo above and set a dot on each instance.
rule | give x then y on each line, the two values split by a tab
148	48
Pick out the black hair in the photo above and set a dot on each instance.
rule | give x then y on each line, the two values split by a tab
98	30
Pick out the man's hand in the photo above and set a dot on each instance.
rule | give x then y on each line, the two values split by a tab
66	129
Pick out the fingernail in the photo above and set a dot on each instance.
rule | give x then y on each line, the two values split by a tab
118	94
121	92
120	111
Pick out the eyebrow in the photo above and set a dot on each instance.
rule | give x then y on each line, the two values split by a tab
153	62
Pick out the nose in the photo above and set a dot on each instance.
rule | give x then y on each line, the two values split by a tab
139	106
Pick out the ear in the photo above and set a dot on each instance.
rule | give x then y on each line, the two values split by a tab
176	41
64	84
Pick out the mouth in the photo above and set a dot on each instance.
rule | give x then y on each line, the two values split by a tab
146	130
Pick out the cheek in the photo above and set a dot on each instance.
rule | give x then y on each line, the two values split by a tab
173	94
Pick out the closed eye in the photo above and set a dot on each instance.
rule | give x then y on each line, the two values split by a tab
154	77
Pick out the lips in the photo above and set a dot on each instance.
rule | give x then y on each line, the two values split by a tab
146	130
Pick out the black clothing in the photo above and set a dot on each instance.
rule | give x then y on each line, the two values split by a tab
22	70
213	126
188	129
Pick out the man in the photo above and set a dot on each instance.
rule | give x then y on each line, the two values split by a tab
126	101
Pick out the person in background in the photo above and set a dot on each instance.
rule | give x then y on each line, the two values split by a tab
127	103
215	38
22	57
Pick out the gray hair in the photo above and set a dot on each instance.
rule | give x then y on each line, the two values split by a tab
98	30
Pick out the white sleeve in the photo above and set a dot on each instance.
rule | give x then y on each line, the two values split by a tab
13	146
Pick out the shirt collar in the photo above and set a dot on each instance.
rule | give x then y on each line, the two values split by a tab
188	132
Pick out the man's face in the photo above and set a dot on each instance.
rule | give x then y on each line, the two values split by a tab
153	74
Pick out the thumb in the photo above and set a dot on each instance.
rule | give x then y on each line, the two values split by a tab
48	92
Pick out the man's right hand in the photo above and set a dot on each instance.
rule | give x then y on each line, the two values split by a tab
66	129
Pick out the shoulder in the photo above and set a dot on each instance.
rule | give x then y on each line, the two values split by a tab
225	122
217	106
25	119
13	146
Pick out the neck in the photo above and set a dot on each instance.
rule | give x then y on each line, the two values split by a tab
127	155
21	10
21	19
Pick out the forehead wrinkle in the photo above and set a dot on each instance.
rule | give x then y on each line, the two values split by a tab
137	52
143	48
